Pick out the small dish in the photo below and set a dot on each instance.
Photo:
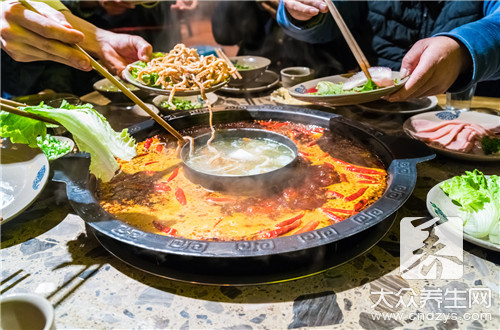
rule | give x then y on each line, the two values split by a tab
107	89
441	206
466	116
160	91
24	173
299	91
263	83
250	68
26	311
410	106
296	74
66	140
196	102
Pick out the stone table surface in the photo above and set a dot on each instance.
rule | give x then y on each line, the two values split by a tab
50	251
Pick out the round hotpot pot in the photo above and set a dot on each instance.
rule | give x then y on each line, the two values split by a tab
258	261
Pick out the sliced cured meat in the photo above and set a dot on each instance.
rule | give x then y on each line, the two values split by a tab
445	140
424	125
434	135
381	76
462	140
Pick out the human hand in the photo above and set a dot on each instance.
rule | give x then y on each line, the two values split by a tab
304	10
185	4
433	64
116	7
28	36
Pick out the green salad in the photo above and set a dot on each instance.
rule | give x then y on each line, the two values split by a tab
182	104
150	80
324	88
479	201
52	147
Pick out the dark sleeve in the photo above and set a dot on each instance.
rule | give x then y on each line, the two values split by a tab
234	21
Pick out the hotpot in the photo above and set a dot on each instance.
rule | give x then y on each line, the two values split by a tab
258	261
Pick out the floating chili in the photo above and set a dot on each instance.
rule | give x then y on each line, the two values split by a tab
149	163
338	160
363	170
304	154
356	195
164	229
147	143
179	195
173	175
220	199
359	205
367	177
308	227
343	177
141	155
161	187
329	209
310	144
332	216
218	221
290	221
369	182
159	148
282	230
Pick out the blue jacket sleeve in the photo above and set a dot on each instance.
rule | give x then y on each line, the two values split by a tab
482	39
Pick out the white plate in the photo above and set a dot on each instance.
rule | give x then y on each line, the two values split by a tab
411	106
440	205
195	99
467	116
24	172
265	82
160	91
300	91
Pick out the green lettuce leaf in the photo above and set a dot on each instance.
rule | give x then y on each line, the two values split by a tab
21	129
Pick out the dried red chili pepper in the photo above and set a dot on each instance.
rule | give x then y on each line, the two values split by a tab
173	175
365	176
359	205
159	148
304	154
338	160
282	230
164	229
311	225
356	195
147	143
141	155
291	220
343	178
149	163
329	209
369	182
310	144
332	216
363	170
179	195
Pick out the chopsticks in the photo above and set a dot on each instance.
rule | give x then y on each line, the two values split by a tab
99	68
220	53
351	42
11	106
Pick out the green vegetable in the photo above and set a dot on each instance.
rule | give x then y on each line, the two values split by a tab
52	147
21	129
369	86
490	145
479	201
91	132
181	104
328	88
242	67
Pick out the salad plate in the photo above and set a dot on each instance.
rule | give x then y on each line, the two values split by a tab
302	91
410	106
183	102
441	206
127	75
471	117
24	173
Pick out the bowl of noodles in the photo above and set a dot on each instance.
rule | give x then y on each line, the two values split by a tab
181	72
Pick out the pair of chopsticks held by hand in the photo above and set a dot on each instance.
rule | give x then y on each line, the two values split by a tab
99	68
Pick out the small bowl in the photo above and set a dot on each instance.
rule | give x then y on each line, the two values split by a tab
107	89
26	311
63	139
257	66
242	184
295	75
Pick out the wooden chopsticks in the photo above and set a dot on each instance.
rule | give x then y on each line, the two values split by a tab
220	53
98	67
351	42
11	106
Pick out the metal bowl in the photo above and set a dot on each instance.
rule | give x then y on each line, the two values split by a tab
241	184
276	258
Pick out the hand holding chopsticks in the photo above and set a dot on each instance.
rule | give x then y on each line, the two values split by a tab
351	42
98	67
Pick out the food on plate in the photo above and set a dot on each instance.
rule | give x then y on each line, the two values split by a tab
237	156
91	132
490	145
52	147
381	77
282	96
182	104
182	69
455	135
242	67
479	200
152	193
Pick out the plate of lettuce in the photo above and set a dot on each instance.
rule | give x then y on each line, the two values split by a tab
475	198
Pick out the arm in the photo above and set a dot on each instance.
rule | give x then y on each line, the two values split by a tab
454	60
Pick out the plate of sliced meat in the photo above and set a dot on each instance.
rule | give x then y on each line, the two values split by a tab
465	135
